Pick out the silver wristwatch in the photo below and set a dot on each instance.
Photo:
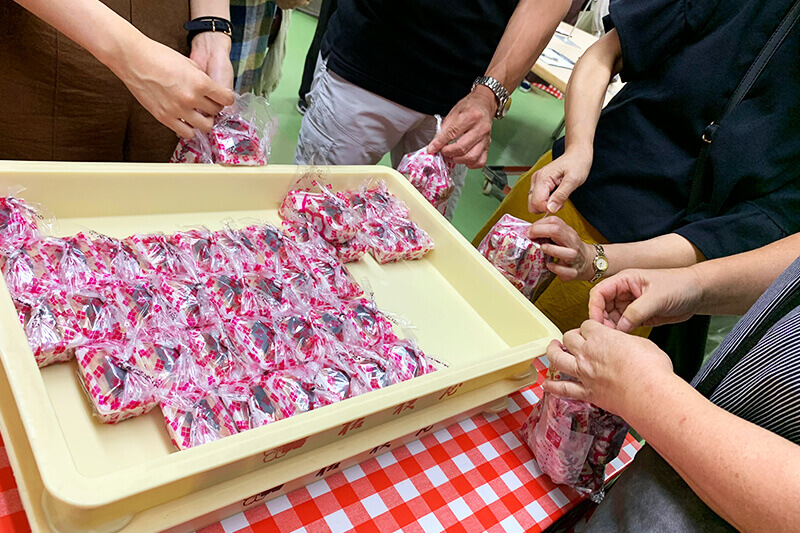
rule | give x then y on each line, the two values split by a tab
500	93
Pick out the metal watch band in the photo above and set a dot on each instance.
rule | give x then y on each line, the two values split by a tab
500	92
599	253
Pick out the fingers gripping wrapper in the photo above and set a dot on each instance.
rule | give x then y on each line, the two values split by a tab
573	441
517	257
196	418
117	390
241	135
430	174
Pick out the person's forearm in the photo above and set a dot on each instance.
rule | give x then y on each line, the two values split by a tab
731	285
210	8
666	251
530	28
748	475
95	27
586	92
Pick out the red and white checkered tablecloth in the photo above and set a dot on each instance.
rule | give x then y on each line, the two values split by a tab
472	476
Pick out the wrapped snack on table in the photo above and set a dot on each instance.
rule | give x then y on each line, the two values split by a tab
196	417
241	135
81	263
50	326
200	245
243	255
287	393
267	239
28	273
120	258
367	371
155	352
144	305
18	224
255	339
385	245
307	342
327	214
516	256
249	404
372	327
99	316
163	257
406	360
262	295
573	441
189	302
216	356
116	389
430	174
225	293
374	199
417	242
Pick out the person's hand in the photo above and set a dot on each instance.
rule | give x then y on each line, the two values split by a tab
212	53
171	87
636	298
469	124
574	256
551	185
611	367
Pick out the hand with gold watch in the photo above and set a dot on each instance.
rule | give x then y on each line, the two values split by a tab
599	263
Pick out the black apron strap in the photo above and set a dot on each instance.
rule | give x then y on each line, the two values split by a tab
696	194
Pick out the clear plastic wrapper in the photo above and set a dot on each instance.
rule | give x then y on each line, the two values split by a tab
216	356
189	301
156	353
255	338
323	211
307	342
267	239
28	273
329	271
98	316
263	295
287	393
249	404
117	390
145	306
200	245
383	243
18	224
417	242
225	293
374	199
430	174
163	257
242	253
371	326
573	441
81	264
366	369
50	326
516	256
120	257
241	135
405	359
196	417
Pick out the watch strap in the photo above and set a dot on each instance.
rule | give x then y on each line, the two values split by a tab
599	252
204	24
501	94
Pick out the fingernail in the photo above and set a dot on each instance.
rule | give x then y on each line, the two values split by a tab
552	207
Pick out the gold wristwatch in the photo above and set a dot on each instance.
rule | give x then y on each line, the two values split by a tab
600	263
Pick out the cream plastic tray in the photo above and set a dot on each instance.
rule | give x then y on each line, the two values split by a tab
98	477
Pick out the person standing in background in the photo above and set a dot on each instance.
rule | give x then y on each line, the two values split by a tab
109	81
326	10
386	68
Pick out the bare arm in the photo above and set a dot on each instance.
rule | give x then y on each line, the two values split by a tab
212	50
748	475
527	33
588	83
167	84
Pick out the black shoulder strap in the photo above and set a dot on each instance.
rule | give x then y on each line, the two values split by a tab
711	381
750	77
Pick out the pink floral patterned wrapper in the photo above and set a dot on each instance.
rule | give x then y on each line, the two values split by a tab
120	258
117	390
242	253
573	441
405	359
201	246
262	295
29	272
327	214
155	353
194	150
255	339
371	326
216	356
18	224
324	381
189	301
145	306
163	257
374	199
196	417
517	257
431	175
368	372
417	243
306	341
267	239
249	404
235	141
330	273
383	243
225	292
99	316
50	326
287	393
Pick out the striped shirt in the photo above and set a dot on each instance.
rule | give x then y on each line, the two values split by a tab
764	386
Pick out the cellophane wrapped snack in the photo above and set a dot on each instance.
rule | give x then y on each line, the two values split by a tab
430	174
226	330
520	259
241	135
573	441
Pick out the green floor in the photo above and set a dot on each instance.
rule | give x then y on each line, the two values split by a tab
519	139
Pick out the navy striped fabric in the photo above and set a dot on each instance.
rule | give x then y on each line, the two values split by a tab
764	386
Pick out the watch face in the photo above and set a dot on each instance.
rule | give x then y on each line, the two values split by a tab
601	264
505	108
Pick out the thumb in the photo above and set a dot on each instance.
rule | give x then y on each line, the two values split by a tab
220	94
444	136
561	194
540	192
636	313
